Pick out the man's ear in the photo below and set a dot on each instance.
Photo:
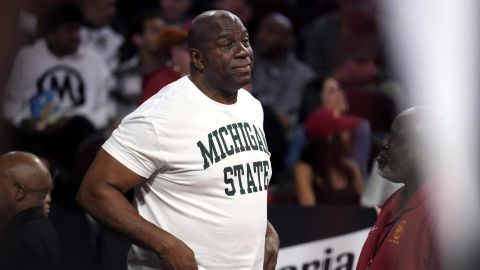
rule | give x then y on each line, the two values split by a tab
20	192
197	59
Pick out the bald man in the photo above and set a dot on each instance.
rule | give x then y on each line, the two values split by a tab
404	235
197	157
28	238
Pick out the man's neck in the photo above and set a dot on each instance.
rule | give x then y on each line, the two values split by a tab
55	51
212	92
415	181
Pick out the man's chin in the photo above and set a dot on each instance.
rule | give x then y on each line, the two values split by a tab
243	81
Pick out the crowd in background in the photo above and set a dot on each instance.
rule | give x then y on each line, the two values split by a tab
320	73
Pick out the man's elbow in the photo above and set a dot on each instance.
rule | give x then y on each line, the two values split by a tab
84	196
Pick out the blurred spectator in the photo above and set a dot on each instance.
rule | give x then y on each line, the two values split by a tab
327	93
323	92
98	33
332	38
28	240
174	60
176	12
30	10
326	175
346	45
279	77
57	92
242	8
138	56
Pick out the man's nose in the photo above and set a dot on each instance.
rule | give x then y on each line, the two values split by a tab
242	50
386	143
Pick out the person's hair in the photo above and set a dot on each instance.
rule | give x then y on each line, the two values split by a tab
331	155
310	98
138	23
57	15
128	49
168	37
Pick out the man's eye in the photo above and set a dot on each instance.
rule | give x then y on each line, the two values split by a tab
227	45
246	42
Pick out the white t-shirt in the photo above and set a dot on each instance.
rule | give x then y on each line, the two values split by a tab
208	169
81	81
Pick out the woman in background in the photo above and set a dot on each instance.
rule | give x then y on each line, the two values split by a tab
175	61
325	175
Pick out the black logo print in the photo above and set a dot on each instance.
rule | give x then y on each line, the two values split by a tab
65	80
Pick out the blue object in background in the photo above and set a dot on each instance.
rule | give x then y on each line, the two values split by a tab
44	104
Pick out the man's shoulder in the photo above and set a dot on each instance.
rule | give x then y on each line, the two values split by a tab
248	99
36	49
246	95
87	52
166	101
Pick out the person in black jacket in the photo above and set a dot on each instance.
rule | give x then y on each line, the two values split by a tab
28	240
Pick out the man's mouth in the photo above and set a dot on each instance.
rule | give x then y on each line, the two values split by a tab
382	159
243	68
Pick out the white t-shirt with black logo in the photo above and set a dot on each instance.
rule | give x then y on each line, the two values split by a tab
80	82
207	167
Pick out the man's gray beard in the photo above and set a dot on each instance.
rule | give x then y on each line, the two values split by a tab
397	175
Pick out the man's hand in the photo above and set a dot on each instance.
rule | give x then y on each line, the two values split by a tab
101	194
272	244
176	255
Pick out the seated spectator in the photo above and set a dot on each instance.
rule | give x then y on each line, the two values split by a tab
244	9
346	45
176	12
57	92
138	57
28	240
278	77
28	15
327	93
174	60
340	34
98	33
326	175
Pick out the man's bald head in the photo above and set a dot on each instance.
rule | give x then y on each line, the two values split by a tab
410	153
24	182
420	123
205	24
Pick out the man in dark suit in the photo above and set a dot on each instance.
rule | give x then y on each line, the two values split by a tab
28	240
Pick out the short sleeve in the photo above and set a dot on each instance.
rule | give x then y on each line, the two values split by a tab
135	144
